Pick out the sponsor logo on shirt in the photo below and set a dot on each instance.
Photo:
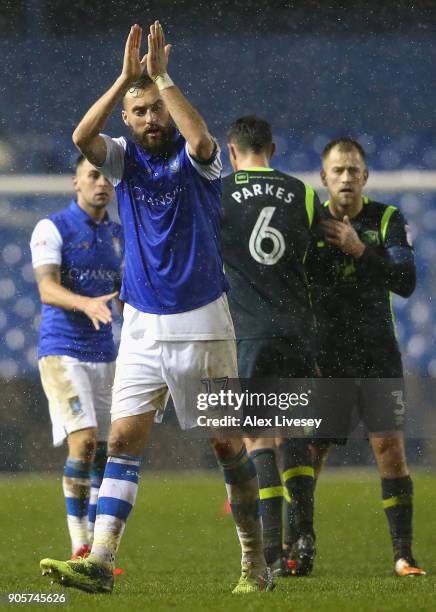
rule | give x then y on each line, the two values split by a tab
174	165
370	237
241	178
140	194
87	274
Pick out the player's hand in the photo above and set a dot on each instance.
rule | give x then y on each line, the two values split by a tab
97	310
158	52
343	235
133	66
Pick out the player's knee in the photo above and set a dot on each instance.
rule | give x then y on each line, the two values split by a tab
82	444
319	452
388	446
390	454
129	434
118	444
83	447
225	449
122	440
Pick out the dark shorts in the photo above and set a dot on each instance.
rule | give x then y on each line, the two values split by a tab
273	357
275	367
371	392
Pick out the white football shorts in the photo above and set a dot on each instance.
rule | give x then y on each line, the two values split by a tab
79	395
149	370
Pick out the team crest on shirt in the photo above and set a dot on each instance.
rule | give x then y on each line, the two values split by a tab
82	245
116	243
75	405
370	238
174	165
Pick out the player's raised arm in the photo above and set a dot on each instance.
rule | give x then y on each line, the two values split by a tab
86	136
187	119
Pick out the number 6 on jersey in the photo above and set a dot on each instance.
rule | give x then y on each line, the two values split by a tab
261	231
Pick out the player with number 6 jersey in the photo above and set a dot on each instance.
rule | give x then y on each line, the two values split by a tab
266	220
267	217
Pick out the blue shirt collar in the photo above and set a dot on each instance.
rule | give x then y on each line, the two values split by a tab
83	216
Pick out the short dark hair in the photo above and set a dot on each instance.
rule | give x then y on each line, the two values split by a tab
142	83
79	161
345	145
250	133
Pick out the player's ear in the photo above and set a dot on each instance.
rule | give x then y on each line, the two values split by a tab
273	149
232	151
124	117
323	177
75	183
365	175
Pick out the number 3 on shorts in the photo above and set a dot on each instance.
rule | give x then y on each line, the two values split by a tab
400	401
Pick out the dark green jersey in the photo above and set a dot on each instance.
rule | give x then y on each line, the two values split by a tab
351	297
265	235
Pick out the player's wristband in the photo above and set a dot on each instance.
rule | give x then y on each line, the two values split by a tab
163	81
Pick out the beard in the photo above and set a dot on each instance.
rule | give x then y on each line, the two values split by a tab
163	145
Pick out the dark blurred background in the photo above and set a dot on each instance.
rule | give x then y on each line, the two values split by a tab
315	70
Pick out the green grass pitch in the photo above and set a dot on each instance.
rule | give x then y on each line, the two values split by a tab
180	551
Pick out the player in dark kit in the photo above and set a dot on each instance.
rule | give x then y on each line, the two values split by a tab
265	234
361	253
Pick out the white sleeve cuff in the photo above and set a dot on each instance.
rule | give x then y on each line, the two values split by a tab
211	171
113	167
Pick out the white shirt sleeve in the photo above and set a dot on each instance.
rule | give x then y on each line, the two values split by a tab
113	167
46	244
210	171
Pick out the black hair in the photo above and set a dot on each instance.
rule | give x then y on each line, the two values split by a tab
142	83
79	161
250	133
